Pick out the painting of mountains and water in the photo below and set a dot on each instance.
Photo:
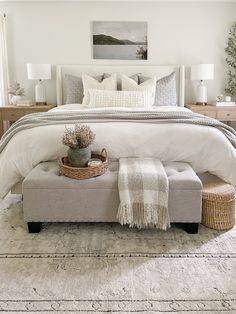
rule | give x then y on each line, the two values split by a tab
120	40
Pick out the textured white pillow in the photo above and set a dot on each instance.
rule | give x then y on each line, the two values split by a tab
128	84
104	98
89	82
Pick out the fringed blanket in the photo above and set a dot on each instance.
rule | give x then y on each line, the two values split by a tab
143	189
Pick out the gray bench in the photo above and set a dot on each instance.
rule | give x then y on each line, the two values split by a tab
49	197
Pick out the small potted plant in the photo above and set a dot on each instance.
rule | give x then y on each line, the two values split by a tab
16	92
78	139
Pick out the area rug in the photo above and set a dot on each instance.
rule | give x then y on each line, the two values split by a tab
102	268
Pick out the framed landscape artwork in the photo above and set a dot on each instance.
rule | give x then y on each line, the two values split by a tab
120	40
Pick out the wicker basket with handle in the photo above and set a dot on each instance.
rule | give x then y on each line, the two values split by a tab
86	172
218	205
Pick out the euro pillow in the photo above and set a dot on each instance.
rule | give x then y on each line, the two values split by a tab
89	82
74	88
129	84
165	90
105	98
135	77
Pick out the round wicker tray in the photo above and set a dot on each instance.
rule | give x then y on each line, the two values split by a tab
86	172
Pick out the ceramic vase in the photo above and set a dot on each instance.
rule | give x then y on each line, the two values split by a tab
15	99
79	157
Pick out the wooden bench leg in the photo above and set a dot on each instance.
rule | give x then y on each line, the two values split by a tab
34	227
191	228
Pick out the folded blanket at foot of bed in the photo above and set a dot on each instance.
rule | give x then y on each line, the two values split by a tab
143	190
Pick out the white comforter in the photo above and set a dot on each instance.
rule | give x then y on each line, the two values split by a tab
205	148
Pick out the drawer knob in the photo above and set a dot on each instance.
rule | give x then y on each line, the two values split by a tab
228	114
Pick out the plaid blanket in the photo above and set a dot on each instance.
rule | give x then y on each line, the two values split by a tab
143	189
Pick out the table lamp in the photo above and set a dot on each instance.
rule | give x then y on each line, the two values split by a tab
39	72
202	72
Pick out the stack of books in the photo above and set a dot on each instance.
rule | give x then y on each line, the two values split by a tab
25	103
224	104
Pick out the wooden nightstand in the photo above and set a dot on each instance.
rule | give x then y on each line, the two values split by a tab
224	114
13	113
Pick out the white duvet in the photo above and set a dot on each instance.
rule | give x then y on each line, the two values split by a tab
205	148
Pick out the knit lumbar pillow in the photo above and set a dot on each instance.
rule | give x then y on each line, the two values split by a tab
89	82
128	84
104	98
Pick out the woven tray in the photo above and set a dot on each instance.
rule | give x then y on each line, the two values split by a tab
86	172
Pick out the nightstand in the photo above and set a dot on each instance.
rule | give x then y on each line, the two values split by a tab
13	113
224	114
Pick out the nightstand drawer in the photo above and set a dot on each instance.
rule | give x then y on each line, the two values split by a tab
28	112
11	116
14	113
226	115
208	113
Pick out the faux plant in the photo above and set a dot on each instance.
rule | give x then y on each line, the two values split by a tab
16	90
79	137
231	61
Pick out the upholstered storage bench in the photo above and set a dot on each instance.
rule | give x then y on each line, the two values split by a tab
50	197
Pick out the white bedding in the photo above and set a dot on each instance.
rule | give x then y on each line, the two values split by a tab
76	107
205	148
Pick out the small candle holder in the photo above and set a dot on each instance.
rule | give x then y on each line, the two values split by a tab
94	162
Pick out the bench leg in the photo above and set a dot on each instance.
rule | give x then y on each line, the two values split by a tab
34	227
191	228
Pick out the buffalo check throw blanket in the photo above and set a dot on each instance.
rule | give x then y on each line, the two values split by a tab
143	189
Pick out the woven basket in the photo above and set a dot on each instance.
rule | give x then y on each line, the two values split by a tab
218	205
86	172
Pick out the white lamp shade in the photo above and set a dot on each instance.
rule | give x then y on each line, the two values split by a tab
202	72
39	71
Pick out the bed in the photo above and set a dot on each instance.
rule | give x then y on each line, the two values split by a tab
207	146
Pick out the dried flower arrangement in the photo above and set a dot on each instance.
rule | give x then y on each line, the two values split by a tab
79	137
16	90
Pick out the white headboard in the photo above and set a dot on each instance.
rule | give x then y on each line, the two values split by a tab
147	70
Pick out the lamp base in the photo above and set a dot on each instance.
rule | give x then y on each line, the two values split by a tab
201	96
40	93
201	103
41	103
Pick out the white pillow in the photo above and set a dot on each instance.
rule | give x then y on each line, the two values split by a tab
128	84
109	83
104	98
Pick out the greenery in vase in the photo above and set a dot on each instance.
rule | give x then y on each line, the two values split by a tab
79	137
16	90
231	61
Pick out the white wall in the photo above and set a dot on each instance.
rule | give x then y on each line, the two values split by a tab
60	33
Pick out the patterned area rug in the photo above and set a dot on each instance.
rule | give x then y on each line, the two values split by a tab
101	268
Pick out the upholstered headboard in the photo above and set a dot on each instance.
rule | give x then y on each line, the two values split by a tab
147	70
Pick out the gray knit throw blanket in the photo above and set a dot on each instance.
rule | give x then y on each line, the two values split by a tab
143	189
65	118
